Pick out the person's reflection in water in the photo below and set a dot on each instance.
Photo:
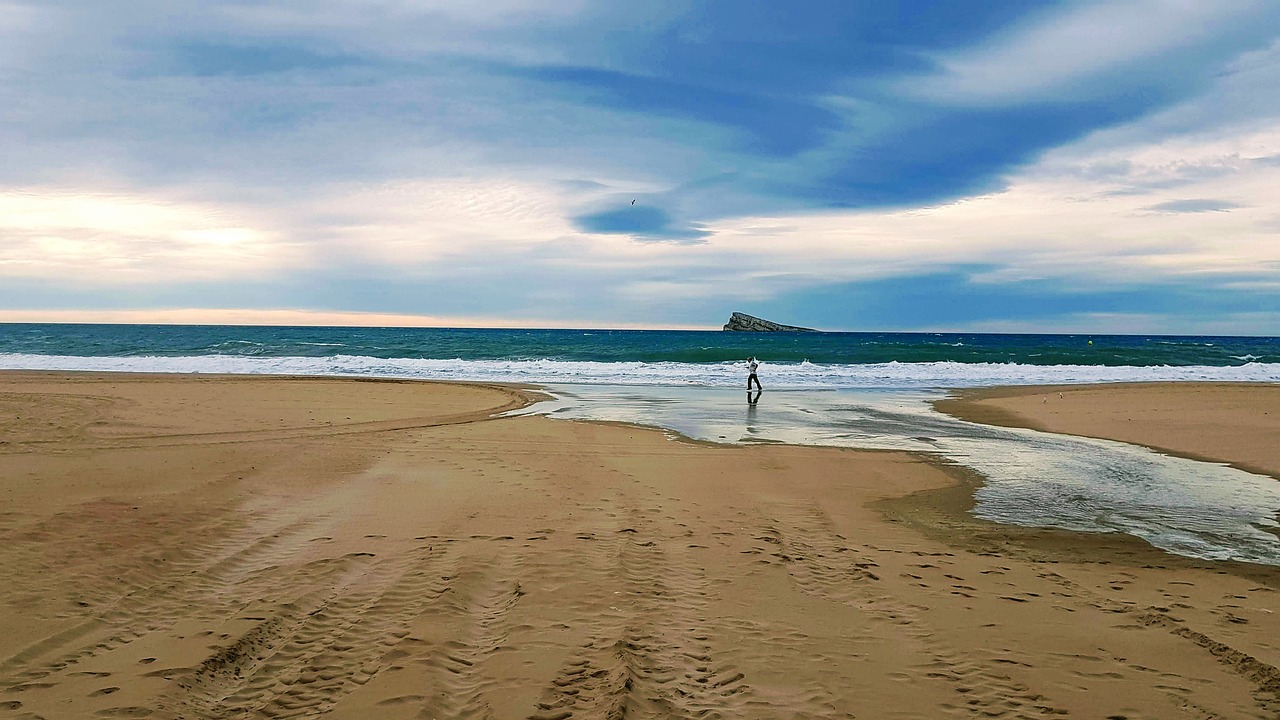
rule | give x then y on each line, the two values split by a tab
752	400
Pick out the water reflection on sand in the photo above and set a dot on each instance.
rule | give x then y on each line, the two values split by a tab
1193	508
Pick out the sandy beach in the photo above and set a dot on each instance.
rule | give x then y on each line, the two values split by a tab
244	547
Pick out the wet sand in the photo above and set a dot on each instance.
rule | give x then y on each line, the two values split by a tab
200	547
1234	423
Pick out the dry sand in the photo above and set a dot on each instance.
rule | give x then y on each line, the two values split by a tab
194	547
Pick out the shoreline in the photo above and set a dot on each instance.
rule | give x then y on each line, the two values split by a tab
1017	407
1236	409
945	514
177	546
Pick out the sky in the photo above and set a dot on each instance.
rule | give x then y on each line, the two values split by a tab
1002	166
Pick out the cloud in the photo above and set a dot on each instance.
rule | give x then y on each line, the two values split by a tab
772	124
942	155
1060	235
452	160
1194	206
788	108
433	20
1065	51
1058	221
116	238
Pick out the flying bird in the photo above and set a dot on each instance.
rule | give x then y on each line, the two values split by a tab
633	202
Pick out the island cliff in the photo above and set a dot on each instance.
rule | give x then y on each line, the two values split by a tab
742	322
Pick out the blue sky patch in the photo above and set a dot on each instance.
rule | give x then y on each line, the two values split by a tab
206	59
641	221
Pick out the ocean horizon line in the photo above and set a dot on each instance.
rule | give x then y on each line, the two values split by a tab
625	328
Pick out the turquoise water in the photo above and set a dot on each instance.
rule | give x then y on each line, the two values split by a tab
650	346
643	357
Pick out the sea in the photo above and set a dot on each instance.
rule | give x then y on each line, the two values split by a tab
644	357
858	390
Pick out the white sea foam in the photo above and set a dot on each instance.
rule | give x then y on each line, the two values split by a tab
797	376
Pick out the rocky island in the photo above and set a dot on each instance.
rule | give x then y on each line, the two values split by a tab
742	322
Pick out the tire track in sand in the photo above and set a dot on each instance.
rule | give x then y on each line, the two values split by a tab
203	584
323	646
475	610
649	654
822	563
1264	676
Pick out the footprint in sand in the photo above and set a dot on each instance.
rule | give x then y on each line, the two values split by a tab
29	686
104	691
403	699
124	712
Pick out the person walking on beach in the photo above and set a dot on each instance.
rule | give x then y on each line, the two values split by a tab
751	368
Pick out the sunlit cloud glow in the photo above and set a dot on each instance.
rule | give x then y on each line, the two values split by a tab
125	238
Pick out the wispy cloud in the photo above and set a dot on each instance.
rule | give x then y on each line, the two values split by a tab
1062	54
1195	205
